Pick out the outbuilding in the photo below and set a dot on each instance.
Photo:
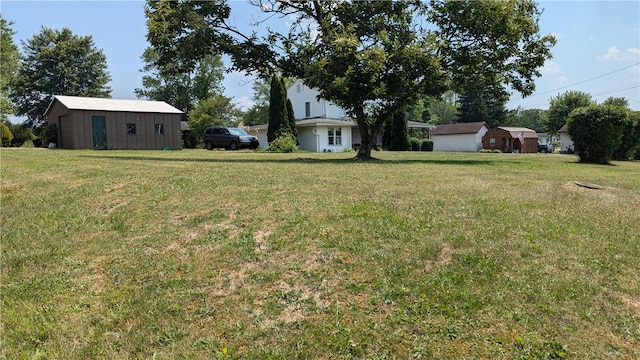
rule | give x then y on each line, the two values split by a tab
566	143
459	137
114	124
511	139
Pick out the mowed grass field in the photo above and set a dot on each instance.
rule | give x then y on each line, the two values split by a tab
216	254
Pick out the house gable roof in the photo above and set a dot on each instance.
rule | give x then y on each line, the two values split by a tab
460	128
564	128
103	104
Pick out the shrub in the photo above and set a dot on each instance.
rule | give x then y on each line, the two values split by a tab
596	131
7	136
415	143
21	134
285	144
427	145
490	151
49	134
630	144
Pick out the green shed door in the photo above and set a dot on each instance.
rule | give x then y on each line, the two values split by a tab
99	133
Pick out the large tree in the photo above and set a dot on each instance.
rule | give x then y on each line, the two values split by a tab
57	62
370	58
216	110
562	105
9	60
182	90
529	118
443	109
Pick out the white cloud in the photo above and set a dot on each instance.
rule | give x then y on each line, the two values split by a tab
244	102
615	54
550	68
560	80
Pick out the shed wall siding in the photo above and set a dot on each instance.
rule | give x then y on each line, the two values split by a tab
456	142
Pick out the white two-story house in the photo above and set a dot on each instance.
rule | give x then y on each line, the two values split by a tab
322	125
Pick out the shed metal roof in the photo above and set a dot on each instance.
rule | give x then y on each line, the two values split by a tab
515	132
103	104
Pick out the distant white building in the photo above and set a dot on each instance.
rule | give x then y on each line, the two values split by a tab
459	137
566	143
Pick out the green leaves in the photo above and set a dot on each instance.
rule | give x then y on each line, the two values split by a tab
57	62
596	131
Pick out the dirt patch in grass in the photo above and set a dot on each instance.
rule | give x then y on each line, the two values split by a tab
260	237
444	258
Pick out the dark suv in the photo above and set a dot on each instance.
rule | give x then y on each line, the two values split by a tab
228	138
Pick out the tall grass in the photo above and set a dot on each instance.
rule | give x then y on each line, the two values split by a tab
196	254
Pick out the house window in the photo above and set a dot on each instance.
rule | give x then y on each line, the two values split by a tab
492	142
335	136
298	88
159	129
307	109
131	129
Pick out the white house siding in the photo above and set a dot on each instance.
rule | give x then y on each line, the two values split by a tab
307	139
566	143
323	139
300	94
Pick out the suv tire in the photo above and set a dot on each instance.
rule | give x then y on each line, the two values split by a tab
209	145
233	145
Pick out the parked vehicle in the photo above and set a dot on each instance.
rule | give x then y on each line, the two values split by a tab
229	138
544	148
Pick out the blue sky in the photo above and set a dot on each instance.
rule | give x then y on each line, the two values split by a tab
598	49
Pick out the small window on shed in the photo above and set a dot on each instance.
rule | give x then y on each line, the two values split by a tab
131	129
492	142
159	129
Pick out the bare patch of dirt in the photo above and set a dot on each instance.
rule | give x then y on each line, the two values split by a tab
260	237
444	258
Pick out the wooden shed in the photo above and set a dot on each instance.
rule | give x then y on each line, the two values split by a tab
98	123
511	139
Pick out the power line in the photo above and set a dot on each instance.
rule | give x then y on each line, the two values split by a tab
618	90
584	81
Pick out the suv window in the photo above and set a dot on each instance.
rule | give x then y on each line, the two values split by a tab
217	131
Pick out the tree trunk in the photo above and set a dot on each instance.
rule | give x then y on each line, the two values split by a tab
368	134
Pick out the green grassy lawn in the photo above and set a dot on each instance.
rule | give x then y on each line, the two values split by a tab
214	254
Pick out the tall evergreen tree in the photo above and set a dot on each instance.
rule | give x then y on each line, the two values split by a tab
278	120
473	108
483	105
292	119
399	137
57	62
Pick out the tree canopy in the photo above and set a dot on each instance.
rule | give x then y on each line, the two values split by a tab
562	105
57	62
185	90
9	60
370	58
